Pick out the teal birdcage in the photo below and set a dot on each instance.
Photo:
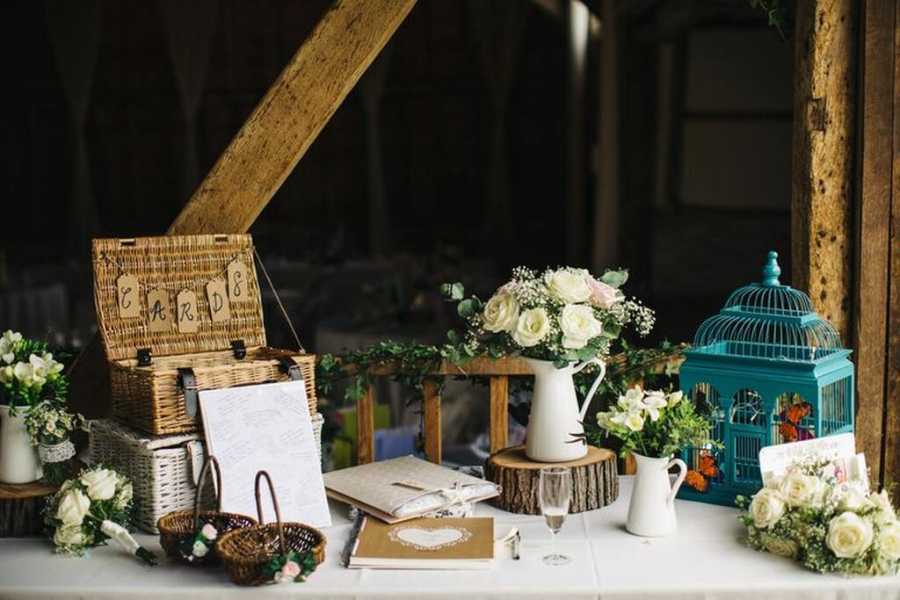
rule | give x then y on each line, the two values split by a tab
768	370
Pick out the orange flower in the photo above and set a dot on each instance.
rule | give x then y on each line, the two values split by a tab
708	466
788	432
696	480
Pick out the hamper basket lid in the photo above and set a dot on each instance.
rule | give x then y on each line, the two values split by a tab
170	265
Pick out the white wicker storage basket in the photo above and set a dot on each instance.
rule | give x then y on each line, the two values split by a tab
160	466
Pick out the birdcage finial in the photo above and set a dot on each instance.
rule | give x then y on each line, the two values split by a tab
772	270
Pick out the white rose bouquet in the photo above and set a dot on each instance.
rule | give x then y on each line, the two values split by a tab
28	372
50	426
90	509
827	525
561	315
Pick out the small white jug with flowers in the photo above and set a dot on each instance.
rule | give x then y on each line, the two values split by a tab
653	426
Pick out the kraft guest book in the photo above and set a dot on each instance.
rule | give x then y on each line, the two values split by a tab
424	544
404	488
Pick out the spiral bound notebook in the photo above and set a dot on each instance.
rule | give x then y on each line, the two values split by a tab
424	544
405	488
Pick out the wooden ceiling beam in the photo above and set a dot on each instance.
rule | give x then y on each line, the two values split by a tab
290	116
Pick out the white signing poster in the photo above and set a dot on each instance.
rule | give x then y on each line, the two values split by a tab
266	427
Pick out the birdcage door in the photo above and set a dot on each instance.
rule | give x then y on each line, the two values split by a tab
744	447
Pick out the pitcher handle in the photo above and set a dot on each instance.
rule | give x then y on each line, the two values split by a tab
590	395
678	481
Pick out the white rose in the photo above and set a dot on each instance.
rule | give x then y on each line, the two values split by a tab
889	540
853	500
849	535
634	422
73	506
501	313
69	535
802	490
569	285
767	508
126	494
100	484
199	550
779	546
533	326
579	326
882	501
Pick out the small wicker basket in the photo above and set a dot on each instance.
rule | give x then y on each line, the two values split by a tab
243	551
176	526
156	375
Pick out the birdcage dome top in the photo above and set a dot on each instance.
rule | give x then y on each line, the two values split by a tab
768	320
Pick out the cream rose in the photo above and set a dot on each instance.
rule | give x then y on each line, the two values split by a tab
767	508
849	535
501	313
882	501
602	294
69	535
801	490
889	540
72	508
569	285
854	500
532	327
100	484
779	546
578	325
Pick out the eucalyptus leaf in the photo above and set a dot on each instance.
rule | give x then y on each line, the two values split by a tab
615	279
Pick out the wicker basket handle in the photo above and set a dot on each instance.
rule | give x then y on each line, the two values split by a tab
259	511
204	472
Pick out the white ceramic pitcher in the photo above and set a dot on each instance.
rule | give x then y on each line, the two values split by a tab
19	462
555	420
652	509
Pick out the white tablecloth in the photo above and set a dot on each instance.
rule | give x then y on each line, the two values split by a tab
704	560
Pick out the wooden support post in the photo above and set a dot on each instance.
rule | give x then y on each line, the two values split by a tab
365	427
824	127
432	417
499	427
290	116
871	318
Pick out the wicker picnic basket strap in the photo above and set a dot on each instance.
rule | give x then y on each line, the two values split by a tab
259	511
204	472
284	312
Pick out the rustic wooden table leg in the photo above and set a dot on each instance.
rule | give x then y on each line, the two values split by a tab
499	413
432	416
365	427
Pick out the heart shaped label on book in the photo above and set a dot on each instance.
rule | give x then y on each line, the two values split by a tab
425	538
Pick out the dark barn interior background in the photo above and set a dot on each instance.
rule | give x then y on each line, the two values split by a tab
488	134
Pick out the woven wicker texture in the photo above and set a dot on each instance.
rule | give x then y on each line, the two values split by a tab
243	551
150	397
177	526
159	466
173	264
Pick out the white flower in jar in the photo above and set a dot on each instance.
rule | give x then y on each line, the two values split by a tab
578	325
568	285
501	313
532	327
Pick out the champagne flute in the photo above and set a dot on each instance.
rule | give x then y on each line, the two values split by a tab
555	492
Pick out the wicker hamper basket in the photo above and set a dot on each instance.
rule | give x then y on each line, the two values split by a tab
161	468
155	374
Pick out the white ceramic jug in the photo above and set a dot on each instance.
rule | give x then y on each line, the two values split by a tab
19	462
652	509
555	420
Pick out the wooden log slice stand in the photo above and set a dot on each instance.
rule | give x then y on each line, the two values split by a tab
595	480
21	506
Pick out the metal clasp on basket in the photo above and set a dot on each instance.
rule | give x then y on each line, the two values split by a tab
187	381
239	349
291	368
144	357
